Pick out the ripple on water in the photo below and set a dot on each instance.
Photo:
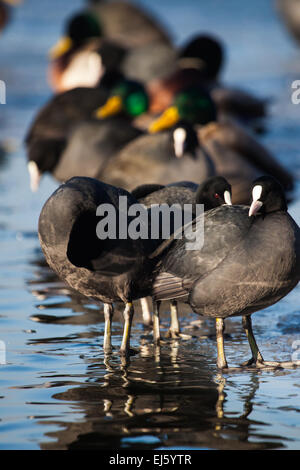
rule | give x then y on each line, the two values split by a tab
57	388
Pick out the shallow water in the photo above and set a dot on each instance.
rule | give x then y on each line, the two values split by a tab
57	389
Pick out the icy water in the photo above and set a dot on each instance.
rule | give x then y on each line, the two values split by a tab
57	390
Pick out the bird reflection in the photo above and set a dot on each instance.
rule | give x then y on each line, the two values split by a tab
177	400
167	395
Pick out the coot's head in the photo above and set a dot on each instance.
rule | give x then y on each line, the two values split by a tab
79	29
184	138
214	192
43	156
193	105
267	196
129	97
203	52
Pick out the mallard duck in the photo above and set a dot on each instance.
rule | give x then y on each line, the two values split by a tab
249	260
237	156
51	131
82	57
199	63
156	158
90	48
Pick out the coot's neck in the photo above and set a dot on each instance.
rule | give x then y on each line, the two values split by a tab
208	204
276	204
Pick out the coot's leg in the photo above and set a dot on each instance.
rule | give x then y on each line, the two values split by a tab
108	315
146	312
257	358
221	359
156	328
128	316
174	330
256	354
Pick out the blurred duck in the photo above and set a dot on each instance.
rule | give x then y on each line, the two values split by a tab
4	15
240	268
5	11
199	63
289	10
111	146
129	24
162	158
150	50
61	125
93	45
83	56
235	154
90	147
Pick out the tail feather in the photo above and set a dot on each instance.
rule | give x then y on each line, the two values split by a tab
167	286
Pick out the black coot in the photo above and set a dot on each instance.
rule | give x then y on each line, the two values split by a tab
249	260
213	192
106	270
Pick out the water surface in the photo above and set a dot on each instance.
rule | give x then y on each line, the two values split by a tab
57	389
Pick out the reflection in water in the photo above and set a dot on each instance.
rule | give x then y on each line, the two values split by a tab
58	390
164	397
165	406
174	401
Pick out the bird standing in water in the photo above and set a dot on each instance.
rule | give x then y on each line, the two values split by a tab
213	192
240	268
109	269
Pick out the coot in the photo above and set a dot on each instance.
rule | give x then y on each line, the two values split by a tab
116	268
213	192
250	259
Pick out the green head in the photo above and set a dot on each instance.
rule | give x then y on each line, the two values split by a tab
195	106
129	97
192	105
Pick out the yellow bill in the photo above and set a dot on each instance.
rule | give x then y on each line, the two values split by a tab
112	106
61	47
168	119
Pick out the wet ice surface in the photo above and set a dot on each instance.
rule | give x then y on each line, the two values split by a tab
57	390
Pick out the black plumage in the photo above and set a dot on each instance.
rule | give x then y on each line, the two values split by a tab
157	159
66	140
106	270
213	192
241	267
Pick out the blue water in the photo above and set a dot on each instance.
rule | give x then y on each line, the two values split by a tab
57	390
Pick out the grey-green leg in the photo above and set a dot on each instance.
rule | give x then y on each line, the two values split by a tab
174	330
257	358
146	312
256	354
128	316
221	358
156	326
108	315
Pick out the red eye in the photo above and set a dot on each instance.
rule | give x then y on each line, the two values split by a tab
217	196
